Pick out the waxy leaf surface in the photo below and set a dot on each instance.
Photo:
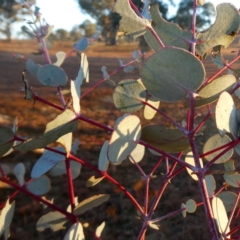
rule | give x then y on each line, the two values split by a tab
222	32
226	115
126	95
122	142
170	33
39	186
90	203
171	73
130	22
166	139
228	198
51	75
75	232
60	126
217	141
212	91
6	135
53	220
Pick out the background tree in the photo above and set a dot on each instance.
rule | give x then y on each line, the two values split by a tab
108	20
11	11
88	28
184	15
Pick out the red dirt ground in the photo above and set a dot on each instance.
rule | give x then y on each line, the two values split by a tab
118	212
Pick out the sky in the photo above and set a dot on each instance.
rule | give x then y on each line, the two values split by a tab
67	13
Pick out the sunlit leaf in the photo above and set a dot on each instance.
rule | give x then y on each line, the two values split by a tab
137	154
149	113
51	75
66	141
69	208
60	126
217	141
220	214
191	206
83	73
92	181
100	229
6	218
103	158
170	33
81	45
60	58
53	220
154	226
60	169
6	136
47	161
19	172
90	203
168	74
222	32
228	198
130	21
189	159
127	94
39	186
32	67
166	139
211	185
212	91
226	115
122	140
75	232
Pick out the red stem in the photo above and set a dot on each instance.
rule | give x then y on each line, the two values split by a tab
68	215
70	186
112	180
219	72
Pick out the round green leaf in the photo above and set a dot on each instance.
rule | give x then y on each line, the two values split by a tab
51	75
19	172
212	91
39	186
215	142
166	139
126	95
191	206
103	159
229	165
211	185
171	73
226	115
233	179
122	142
229	199
220	214
32	67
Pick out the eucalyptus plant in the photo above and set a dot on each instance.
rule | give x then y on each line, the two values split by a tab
174	72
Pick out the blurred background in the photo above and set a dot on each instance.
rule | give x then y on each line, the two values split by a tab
73	19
